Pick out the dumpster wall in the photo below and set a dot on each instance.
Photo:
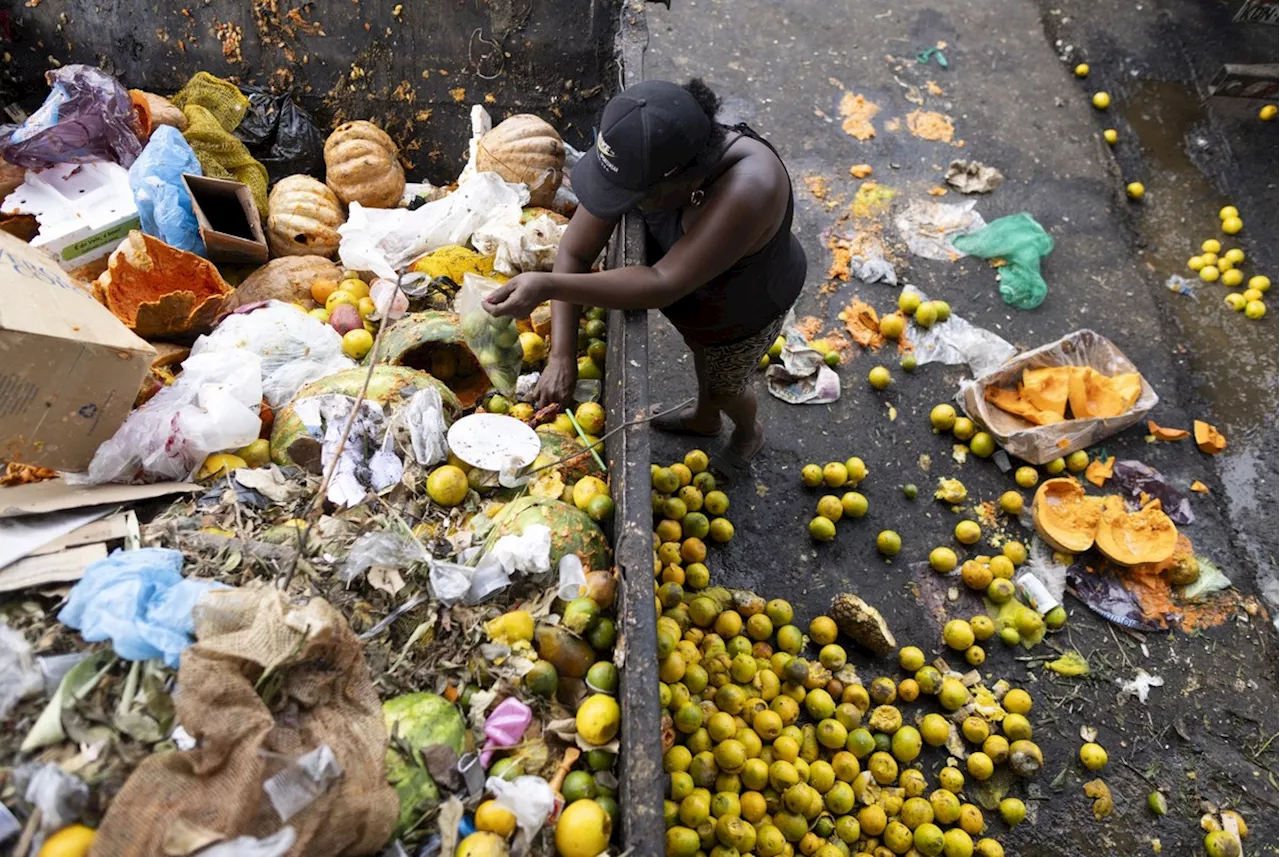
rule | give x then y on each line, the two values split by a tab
413	68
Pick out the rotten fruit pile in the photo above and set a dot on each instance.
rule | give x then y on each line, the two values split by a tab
774	743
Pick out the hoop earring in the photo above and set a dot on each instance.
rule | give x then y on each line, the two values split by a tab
696	198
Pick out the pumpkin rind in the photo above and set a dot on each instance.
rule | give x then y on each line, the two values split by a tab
303	217
362	165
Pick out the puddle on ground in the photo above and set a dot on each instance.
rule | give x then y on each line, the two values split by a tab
1232	357
1180	210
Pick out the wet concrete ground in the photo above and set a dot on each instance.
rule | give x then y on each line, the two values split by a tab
1209	735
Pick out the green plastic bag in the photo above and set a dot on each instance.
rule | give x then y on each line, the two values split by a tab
1022	243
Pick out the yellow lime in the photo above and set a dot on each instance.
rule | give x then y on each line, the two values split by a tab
968	532
1101	100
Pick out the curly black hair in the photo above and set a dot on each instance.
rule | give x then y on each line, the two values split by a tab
707	158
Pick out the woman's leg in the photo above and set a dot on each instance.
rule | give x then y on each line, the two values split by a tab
748	432
703	416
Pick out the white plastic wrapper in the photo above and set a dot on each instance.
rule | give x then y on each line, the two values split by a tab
529	552
517	246
529	799
295	349
928	227
213	406
956	342
380	548
276	845
358	470
295	787
20	673
1038	444
389	301
387	240
423	419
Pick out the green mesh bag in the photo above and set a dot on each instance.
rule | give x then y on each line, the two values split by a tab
1022	243
214	108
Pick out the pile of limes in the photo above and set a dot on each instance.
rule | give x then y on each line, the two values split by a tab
944	418
1216	265
831	508
772	745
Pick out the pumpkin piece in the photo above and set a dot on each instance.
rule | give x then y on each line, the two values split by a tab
432	342
1132	538
362	165
287	279
1011	402
161	292
1099	471
1095	396
159	110
1180	568
1064	516
1047	388
527	150
1199	487
1166	434
388	386
1209	439
303	217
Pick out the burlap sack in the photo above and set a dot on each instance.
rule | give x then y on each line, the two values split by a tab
320	693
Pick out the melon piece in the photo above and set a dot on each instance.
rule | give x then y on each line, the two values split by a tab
432	342
390	385
161	292
416	721
1133	538
1064	516
572	531
577	463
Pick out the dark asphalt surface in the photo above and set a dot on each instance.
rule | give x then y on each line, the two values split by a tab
1208	734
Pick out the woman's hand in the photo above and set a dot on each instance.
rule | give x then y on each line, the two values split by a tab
519	296
555	385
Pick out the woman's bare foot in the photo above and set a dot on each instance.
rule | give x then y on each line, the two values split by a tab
688	421
747	444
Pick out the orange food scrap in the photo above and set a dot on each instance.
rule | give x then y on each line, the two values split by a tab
1094	395
22	474
817	186
1168	434
1012	402
858	113
1099	471
161	292
1208	438
937	191
863	323
860	171
933	88
928	125
1199	487
1047	388
809	327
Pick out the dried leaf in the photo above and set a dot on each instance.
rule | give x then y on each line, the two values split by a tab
385	579
1088	734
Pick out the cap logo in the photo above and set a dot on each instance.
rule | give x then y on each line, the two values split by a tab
604	147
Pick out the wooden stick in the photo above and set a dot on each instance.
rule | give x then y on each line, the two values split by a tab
570	757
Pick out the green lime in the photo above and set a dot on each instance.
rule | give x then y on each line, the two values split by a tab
578	785
600	760
603	677
910	491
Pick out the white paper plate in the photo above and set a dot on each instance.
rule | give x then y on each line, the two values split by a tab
494	442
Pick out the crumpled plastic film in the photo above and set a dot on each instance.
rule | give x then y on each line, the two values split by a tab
1022	243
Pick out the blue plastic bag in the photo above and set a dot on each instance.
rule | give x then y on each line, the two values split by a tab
138	600
164	206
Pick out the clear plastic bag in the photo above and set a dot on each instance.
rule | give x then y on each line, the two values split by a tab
88	116
294	348
164	205
494	340
213	406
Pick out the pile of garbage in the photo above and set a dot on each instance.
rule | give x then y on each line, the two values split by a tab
378	616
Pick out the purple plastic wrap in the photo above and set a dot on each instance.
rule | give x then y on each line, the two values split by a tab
1134	478
88	116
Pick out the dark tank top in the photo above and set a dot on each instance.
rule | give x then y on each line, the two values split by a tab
750	294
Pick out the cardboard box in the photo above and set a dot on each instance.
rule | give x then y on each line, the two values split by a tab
229	221
69	369
84	210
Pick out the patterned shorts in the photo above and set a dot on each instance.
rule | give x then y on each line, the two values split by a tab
727	368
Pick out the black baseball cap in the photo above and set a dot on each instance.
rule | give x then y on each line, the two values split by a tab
648	133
